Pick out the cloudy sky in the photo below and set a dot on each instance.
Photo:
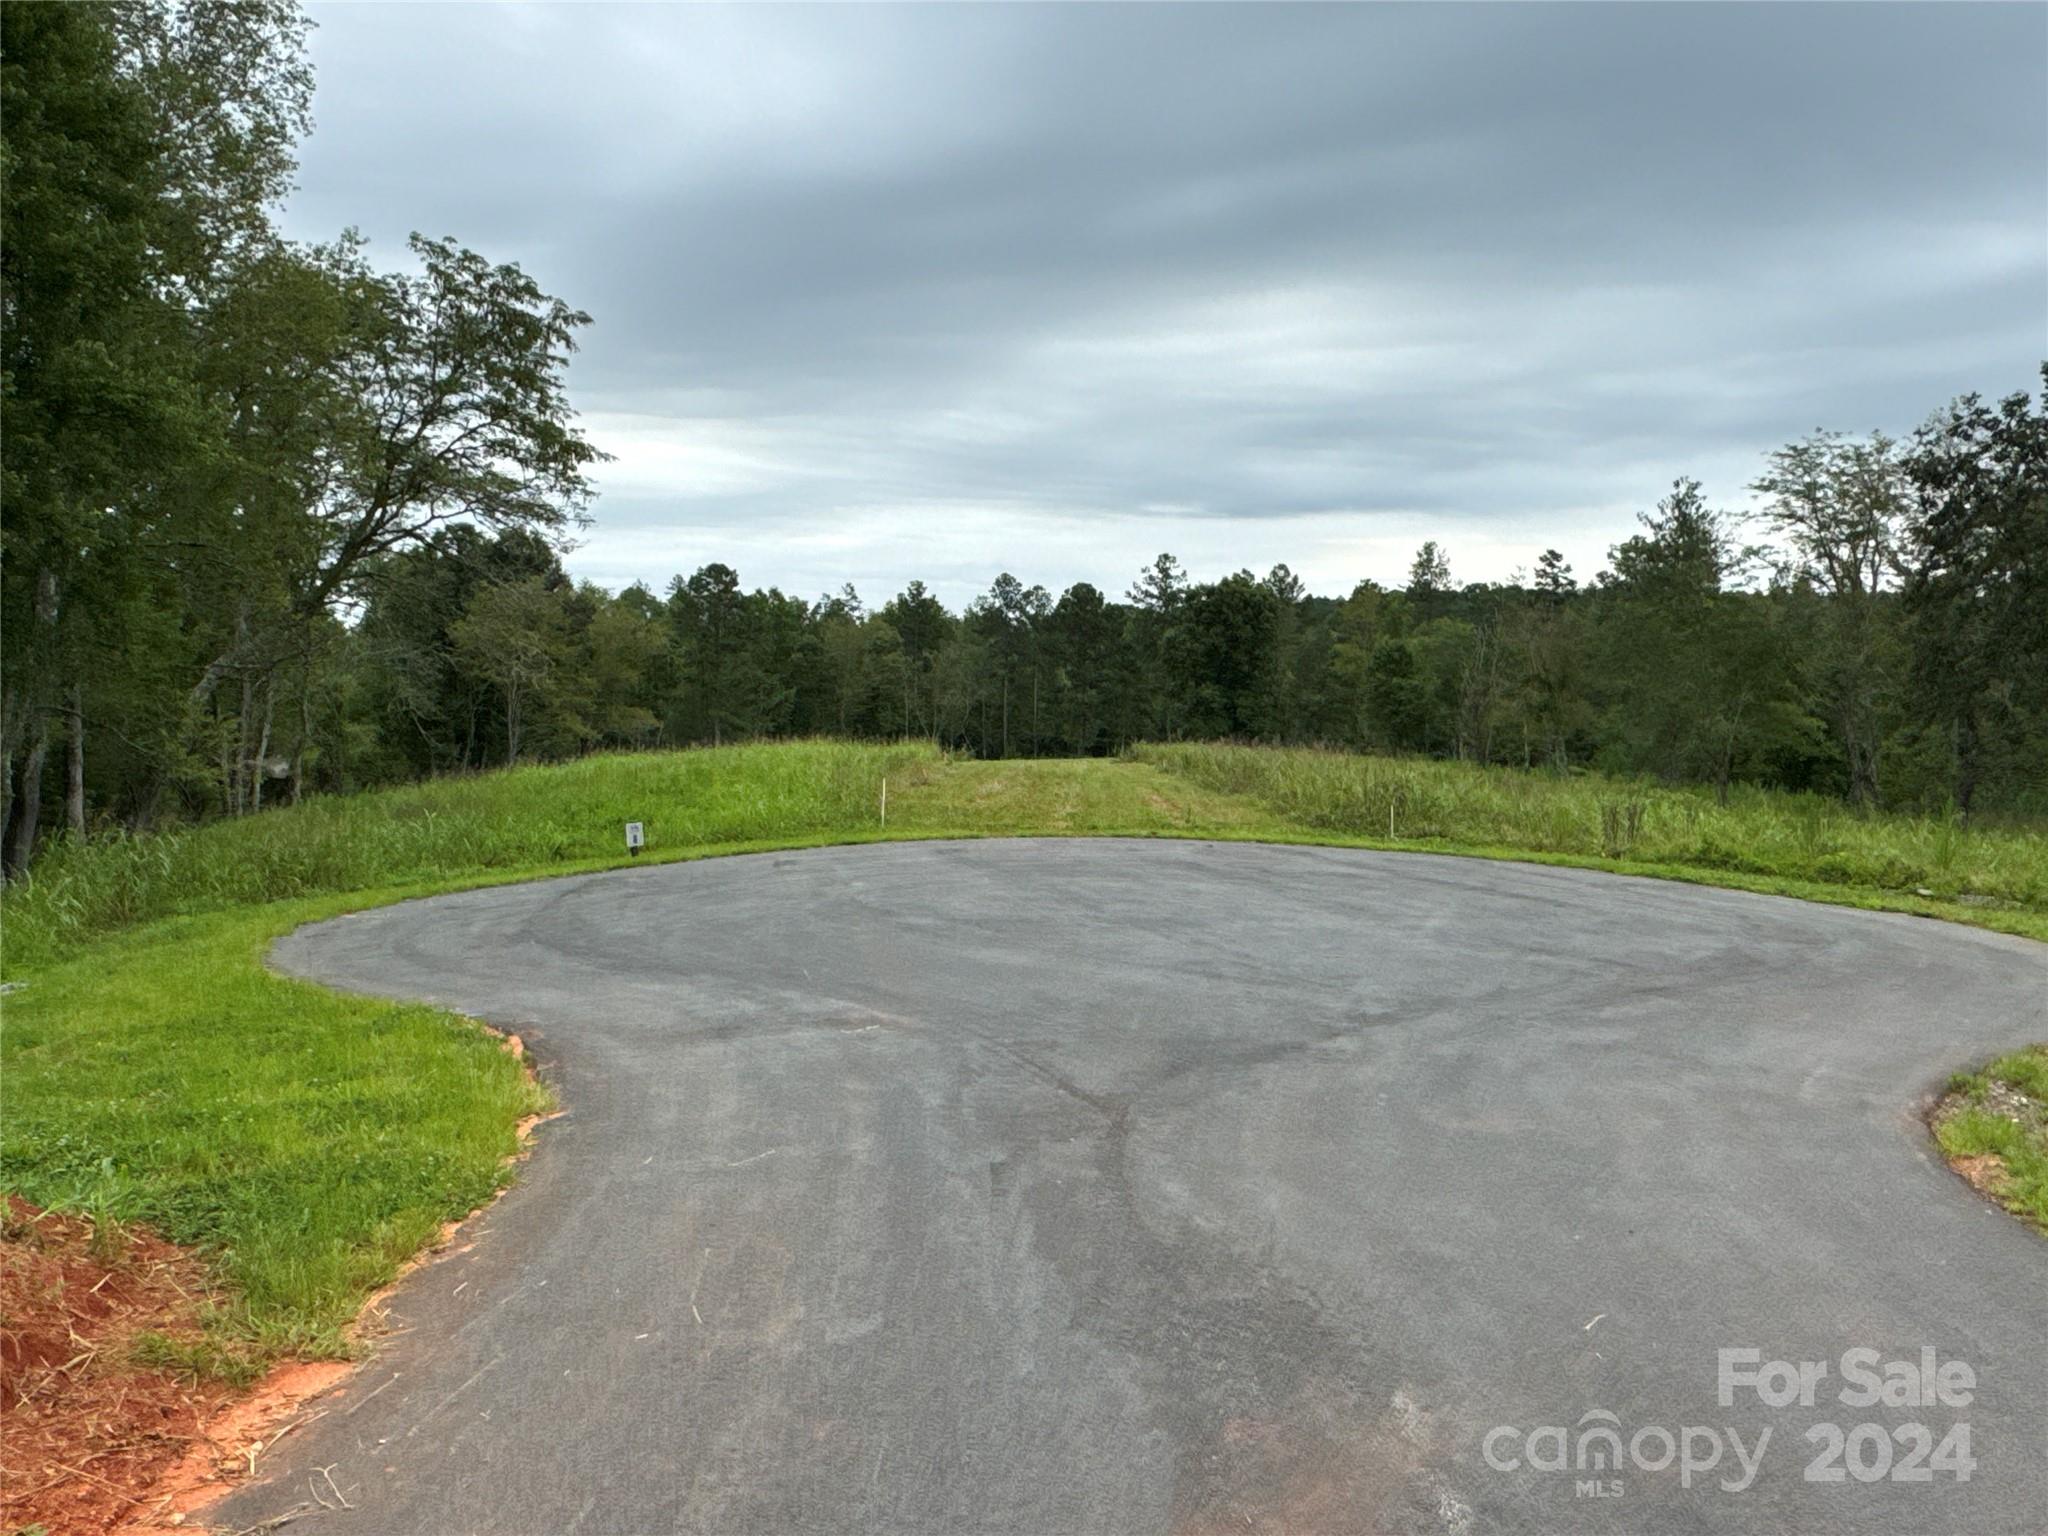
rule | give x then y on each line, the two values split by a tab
943	291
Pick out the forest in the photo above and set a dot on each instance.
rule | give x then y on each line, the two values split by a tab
281	521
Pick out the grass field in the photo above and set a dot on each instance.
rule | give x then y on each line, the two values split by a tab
309	1142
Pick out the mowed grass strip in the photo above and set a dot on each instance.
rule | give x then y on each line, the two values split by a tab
309	1142
1064	797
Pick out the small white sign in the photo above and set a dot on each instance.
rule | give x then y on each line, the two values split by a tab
636	837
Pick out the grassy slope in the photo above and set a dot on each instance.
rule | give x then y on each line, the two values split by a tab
1793	845
155	1071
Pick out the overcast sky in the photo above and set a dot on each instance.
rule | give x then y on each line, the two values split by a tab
943	291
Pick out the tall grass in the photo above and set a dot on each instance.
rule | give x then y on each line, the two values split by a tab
445	828
1757	832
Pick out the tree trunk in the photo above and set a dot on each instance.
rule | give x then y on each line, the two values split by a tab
244	747
30	811
512	725
9	702
1966	765
74	764
259	769
305	735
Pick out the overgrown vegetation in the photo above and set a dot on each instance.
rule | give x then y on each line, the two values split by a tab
1994	1127
1988	873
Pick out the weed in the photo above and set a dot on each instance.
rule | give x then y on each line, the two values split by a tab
1621	827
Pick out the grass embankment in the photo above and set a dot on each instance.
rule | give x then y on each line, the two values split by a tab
308	1142
1993	1127
1762	840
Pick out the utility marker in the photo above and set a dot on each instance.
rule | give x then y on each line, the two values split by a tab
636	838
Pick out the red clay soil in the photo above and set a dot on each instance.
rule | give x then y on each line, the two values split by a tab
90	1441
85	1432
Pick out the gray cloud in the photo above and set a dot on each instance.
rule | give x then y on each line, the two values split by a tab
884	292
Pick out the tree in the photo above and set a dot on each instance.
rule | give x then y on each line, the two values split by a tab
231	94
1355	633
213	439
1157	596
95	394
1161	587
1840	504
1429	576
518	637
1085	641
1554	578
623	647
1224	656
1396	704
1698	685
1010	621
1977	592
923	626
725	692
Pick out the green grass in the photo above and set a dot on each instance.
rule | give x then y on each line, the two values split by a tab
1796	845
2002	1111
1062	797
309	1142
531	819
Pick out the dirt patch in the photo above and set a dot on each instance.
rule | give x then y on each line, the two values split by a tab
229	1448
86	1430
94	1440
1985	1173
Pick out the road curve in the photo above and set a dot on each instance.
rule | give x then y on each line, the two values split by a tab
1070	1186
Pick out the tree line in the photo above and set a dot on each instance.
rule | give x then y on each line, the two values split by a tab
277	520
212	437
1884	640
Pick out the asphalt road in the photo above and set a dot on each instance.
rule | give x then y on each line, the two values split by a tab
1092	1186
